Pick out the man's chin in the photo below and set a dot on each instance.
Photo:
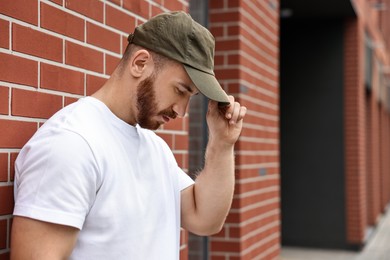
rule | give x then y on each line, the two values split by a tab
151	125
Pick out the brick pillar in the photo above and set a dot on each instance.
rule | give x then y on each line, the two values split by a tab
371	218
384	150
354	131
373	152
247	66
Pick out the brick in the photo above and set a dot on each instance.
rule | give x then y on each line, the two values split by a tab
70	100
168	138
61	79
83	57
138	7
6	200
15	133
18	70
124	44
225	17
4	100
103	38
94	83
216	4
111	63
225	246
183	253
181	142
218	31
227	45
156	10
234	30
174	5
219	60
233	3
61	22
3	234
3	167
12	165
34	103
119	20
227	74
30	41
26	11
90	8
233	59
4	34
179	159
59	2
176	124
117	2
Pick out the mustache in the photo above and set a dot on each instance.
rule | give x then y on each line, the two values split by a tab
169	113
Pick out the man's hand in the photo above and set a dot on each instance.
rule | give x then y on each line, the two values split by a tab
225	123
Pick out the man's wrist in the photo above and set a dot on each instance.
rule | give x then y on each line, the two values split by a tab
219	146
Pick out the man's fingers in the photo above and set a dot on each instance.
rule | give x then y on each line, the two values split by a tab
233	112
236	111
238	114
230	109
242	113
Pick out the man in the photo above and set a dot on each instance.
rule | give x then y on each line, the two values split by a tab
94	183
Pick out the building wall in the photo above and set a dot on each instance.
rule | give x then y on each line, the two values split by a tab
51	54
247	39
354	117
366	119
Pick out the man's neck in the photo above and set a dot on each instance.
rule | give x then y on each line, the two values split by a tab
119	98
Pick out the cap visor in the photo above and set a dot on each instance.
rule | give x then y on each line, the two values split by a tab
207	85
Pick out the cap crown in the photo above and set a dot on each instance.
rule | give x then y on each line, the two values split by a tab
177	36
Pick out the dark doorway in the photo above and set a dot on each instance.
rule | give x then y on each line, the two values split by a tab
312	155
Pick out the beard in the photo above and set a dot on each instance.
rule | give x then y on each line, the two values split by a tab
147	105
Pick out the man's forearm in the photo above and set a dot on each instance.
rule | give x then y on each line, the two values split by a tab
214	187
206	204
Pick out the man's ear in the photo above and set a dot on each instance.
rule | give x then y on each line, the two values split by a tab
140	61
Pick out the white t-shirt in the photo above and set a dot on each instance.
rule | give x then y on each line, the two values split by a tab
119	184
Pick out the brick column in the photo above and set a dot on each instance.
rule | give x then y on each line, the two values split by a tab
385	153
247	39
373	151
354	131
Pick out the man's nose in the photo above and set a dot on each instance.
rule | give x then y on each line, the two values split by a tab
181	107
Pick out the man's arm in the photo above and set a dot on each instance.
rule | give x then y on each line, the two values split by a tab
205	205
38	240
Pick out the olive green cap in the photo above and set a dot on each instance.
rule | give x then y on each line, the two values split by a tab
177	36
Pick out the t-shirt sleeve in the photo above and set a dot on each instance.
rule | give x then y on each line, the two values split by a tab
56	178
184	180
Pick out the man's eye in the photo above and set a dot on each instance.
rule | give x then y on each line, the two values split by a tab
178	91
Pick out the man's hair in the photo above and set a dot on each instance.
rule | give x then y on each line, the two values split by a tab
159	60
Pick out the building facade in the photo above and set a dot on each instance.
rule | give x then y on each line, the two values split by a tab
334	89
312	164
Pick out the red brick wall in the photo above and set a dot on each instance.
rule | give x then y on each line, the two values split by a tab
367	144
51	54
354	129
385	154
373	152
247	39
